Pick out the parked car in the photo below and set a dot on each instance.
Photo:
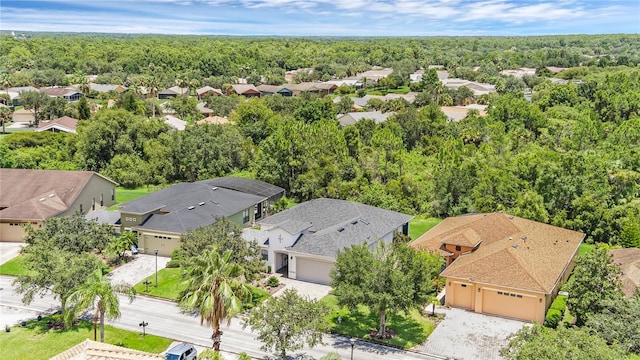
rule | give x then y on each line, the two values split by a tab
182	352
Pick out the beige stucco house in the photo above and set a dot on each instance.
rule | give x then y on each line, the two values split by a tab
502	265
161	218
31	196
303	241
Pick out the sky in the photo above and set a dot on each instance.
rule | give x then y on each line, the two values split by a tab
325	17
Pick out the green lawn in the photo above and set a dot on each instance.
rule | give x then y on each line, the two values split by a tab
419	226
14	267
37	341
411	329
124	195
585	249
170	285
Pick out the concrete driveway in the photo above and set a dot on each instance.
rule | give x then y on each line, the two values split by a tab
9	250
313	291
468	335
138	269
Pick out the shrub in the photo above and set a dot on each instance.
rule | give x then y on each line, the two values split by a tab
174	263
244	356
553	318
560	303
210	355
273	282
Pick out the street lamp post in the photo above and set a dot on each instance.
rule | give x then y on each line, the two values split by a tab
353	343
156	252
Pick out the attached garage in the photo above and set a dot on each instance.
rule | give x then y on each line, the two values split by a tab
165	244
461	295
509	304
312	270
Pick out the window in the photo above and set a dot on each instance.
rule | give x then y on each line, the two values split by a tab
93	204
520	296
101	200
80	207
245	216
265	254
458	248
463	285
499	292
113	194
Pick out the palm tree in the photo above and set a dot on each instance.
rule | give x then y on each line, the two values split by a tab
214	290
5	116
97	291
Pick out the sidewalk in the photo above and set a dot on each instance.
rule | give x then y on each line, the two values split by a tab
9	250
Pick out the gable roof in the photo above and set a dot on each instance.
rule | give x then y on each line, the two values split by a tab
353	117
207	89
60	91
93	350
218	120
272	88
38	194
65	123
629	262
514	252
241	89
106	87
333	225
186	206
175	90
249	186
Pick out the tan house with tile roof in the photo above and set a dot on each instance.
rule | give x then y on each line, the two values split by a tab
629	262
93	350
31	196
502	265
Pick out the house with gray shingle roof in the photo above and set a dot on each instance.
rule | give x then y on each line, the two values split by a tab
161	218
304	241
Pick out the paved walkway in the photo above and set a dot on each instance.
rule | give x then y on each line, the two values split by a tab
138	269
468	335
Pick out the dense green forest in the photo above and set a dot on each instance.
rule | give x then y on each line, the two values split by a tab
570	157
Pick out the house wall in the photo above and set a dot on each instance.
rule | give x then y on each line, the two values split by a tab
496	300
278	240
22	117
452	249
90	197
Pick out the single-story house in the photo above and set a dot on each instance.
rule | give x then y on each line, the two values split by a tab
353	117
24	116
105	88
64	124
172	92
207	90
297	89
217	120
326	88
204	110
175	123
246	90
457	113
94	350
161	218
629	262
475	87
502	265
14	93
68	94
268	90
304	241
31	196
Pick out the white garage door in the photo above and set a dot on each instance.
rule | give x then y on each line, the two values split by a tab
313	270
509	304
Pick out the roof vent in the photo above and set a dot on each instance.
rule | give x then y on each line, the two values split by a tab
42	199
340	229
52	195
364	221
523	237
515	246
201	203
191	207
511	217
510	238
214	188
354	222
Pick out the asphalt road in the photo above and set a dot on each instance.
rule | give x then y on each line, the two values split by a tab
165	319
